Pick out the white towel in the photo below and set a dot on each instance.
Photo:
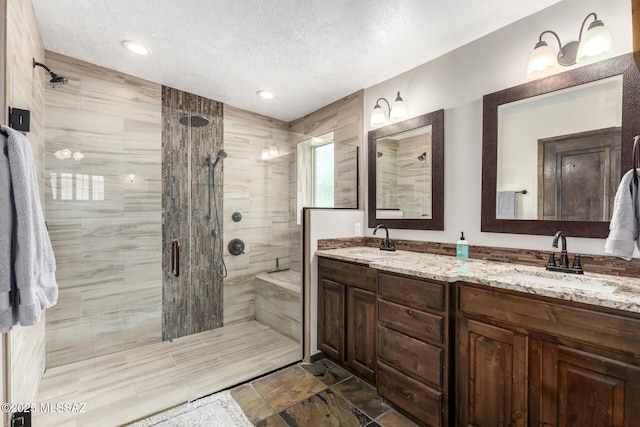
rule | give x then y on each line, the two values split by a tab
623	228
33	260
7	213
506	205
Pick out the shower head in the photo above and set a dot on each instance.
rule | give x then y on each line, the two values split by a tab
422	157
379	154
220	156
193	120
56	80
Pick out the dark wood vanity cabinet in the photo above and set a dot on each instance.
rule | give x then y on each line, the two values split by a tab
492	373
347	315
533	361
414	350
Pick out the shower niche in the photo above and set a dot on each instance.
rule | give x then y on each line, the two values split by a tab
192	157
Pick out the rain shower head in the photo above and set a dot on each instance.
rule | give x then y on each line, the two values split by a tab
193	120
56	80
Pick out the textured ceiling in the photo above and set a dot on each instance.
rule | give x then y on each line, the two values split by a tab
309	52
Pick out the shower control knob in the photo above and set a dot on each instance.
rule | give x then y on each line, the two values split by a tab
236	217
236	247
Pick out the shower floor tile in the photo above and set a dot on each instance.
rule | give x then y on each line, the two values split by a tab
126	386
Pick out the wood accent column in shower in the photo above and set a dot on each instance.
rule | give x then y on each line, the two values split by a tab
191	302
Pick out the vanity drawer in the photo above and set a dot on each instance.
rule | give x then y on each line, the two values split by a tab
417	399
349	274
416	293
410	356
415	323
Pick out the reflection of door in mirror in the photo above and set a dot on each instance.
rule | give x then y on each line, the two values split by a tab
562	147
578	175
404	175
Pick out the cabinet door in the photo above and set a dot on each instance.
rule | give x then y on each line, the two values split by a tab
331	309
493	376
361	331
583	389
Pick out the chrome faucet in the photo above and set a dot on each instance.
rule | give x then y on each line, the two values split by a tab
385	244
576	268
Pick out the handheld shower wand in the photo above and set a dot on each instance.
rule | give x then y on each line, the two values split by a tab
218	263
221	155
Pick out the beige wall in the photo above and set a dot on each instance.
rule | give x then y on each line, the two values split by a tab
108	249
25	90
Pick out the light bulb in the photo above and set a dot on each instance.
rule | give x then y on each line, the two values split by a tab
274	151
265	154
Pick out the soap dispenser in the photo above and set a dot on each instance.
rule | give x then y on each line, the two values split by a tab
462	248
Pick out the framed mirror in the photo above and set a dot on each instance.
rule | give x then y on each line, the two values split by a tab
554	150
406	173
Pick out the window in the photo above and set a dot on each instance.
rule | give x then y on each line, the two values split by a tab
323	176
315	180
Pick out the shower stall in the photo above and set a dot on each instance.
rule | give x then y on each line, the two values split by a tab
154	309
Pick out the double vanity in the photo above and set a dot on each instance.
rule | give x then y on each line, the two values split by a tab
482	343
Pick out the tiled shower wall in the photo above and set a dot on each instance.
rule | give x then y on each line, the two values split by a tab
25	89
259	190
103	211
192	301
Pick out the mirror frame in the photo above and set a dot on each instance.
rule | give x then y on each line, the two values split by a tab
620	65
436	222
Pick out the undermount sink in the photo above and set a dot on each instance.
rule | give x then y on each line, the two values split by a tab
577	282
373	253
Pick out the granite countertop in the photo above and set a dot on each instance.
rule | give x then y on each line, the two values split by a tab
618	292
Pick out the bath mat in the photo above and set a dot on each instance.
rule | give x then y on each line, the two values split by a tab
219	409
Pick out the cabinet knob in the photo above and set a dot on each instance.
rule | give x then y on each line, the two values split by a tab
410	312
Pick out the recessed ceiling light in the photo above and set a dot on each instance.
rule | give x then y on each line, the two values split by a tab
135	47
266	94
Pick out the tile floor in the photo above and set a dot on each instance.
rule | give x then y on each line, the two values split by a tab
133	384
315	395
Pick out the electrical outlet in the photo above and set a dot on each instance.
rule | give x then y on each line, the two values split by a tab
358	230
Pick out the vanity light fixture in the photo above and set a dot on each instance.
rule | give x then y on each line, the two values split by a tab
265	94
397	112
596	44
136	47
